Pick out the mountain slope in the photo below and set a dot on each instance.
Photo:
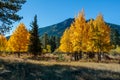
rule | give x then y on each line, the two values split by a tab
115	26
58	29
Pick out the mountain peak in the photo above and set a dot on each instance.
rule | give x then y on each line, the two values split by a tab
56	29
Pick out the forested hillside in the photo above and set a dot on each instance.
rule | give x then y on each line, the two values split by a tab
58	28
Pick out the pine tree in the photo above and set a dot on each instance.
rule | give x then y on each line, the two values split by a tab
45	40
8	10
34	45
52	42
57	42
19	40
115	37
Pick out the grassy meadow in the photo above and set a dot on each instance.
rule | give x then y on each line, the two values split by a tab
28	69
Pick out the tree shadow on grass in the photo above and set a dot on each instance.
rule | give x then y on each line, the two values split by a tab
25	71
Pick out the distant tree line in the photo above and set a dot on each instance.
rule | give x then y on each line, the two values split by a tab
115	37
49	43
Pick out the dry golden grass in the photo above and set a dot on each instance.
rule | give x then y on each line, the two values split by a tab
100	66
27	69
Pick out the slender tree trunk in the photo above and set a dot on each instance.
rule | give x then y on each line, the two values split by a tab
75	56
99	56
80	55
18	54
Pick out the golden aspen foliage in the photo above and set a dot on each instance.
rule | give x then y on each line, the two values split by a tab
91	36
78	31
101	35
3	43
48	47
118	49
89	42
9	44
65	42
19	40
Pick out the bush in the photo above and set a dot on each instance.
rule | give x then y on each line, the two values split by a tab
44	51
61	57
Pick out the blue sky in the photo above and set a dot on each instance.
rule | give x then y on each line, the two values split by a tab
53	11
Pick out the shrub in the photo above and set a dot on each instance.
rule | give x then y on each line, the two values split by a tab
61	57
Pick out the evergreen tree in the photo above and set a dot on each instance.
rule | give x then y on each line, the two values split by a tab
45	40
115	37
57	42
34	45
52	42
8	10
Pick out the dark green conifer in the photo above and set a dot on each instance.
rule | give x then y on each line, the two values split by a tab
35	45
8	10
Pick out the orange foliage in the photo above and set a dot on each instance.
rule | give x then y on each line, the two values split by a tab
19	40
